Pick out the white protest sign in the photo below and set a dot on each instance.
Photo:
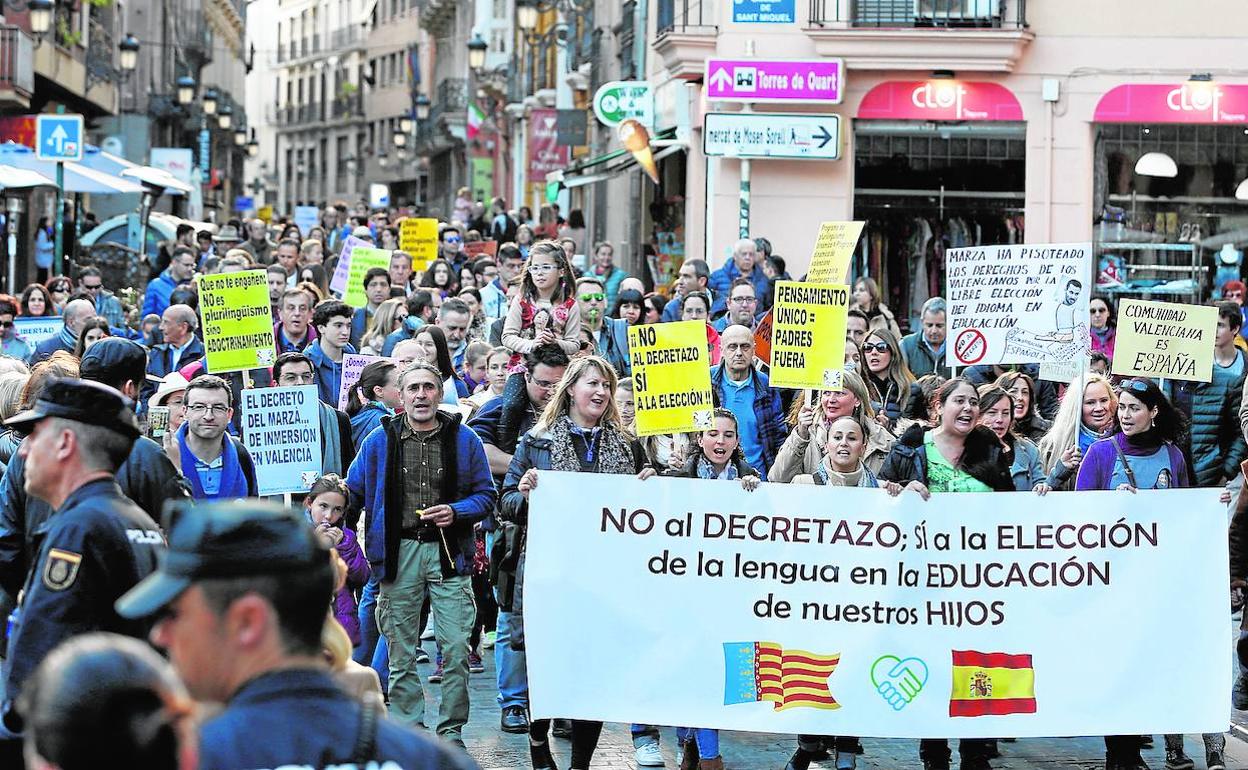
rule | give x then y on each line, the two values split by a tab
306	218
352	365
1018	304
342	271
36	330
843	611
282	430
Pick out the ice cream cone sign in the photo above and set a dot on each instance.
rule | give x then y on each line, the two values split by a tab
636	139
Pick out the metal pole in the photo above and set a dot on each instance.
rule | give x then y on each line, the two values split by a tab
60	217
743	201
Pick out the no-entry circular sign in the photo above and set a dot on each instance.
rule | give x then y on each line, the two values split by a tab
970	346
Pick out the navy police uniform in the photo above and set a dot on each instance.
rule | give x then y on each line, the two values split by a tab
90	551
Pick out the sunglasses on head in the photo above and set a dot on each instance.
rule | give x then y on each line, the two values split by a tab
878	347
1139	386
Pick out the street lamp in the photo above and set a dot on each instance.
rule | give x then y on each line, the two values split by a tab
422	107
240	137
477	48
128	53
253	147
526	15
406	124
210	101
186	90
40	16
225	116
399	138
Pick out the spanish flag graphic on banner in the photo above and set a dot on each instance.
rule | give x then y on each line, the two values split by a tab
992	683
765	671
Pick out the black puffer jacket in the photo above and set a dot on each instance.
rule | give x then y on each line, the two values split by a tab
982	459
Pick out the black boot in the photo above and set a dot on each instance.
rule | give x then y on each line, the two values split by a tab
541	756
802	758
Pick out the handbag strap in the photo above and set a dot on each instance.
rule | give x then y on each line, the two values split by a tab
1122	457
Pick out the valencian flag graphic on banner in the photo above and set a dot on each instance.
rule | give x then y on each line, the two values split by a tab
992	683
765	671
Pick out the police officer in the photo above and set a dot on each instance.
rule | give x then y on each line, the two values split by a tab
242	597
96	545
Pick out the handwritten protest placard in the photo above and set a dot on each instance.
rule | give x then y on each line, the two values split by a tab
237	321
826	609
363	259
808	335
352	365
342	271
671	377
1165	339
419	237
1018	304
282	430
833	250
36	330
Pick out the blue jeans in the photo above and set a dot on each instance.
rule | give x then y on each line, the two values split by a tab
707	740
513	677
373	649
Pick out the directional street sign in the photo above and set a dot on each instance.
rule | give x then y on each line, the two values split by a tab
785	80
59	138
764	135
620	100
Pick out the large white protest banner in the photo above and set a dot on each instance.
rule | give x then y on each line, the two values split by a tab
842	611
38	329
282	430
1018	304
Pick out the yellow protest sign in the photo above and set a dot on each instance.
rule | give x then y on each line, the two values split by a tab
671	377
833	249
1165	339
419	237
237	322
265	213
808	335
363	258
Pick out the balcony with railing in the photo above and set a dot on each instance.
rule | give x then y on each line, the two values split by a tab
346	37
17	71
972	35
685	34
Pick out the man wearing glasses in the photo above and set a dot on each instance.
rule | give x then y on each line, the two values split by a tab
450	247
91	281
216	464
610	334
742	307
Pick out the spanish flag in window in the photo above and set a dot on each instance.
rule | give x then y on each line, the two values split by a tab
992	683
765	671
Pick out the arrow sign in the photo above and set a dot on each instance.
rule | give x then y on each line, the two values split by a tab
59	138
776	80
764	135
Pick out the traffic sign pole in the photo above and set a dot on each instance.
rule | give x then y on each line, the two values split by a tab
60	219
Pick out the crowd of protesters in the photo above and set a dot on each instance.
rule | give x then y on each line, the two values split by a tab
507	360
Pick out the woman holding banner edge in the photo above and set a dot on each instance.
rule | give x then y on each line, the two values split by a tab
578	431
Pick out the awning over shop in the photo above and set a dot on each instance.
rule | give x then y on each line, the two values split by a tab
603	167
940	99
105	162
78	178
14	178
1202	102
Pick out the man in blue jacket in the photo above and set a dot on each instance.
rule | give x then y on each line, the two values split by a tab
744	264
424	481
181	270
744	391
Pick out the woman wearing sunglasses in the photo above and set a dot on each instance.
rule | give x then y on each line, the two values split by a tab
1143	454
1103	326
887	376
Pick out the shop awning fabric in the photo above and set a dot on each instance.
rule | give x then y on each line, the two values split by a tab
603	167
78	178
105	162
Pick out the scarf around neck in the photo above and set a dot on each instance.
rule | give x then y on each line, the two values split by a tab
233	482
826	475
707	471
609	451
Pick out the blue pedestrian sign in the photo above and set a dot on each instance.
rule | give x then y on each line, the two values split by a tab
59	138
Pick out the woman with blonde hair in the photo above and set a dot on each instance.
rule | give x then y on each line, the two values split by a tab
11	386
802	451
868	299
390	314
887	377
580	430
1085	416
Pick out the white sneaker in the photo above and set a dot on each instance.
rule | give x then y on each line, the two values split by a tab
649	755
427	634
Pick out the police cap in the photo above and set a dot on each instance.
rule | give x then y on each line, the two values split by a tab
84	401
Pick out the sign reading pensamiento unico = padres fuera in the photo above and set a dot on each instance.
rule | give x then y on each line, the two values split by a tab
808	335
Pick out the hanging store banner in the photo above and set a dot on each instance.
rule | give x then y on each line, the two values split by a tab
843	611
671	377
1165	339
1018	304
808	335
237	321
545	154
282	431
940	100
1191	102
